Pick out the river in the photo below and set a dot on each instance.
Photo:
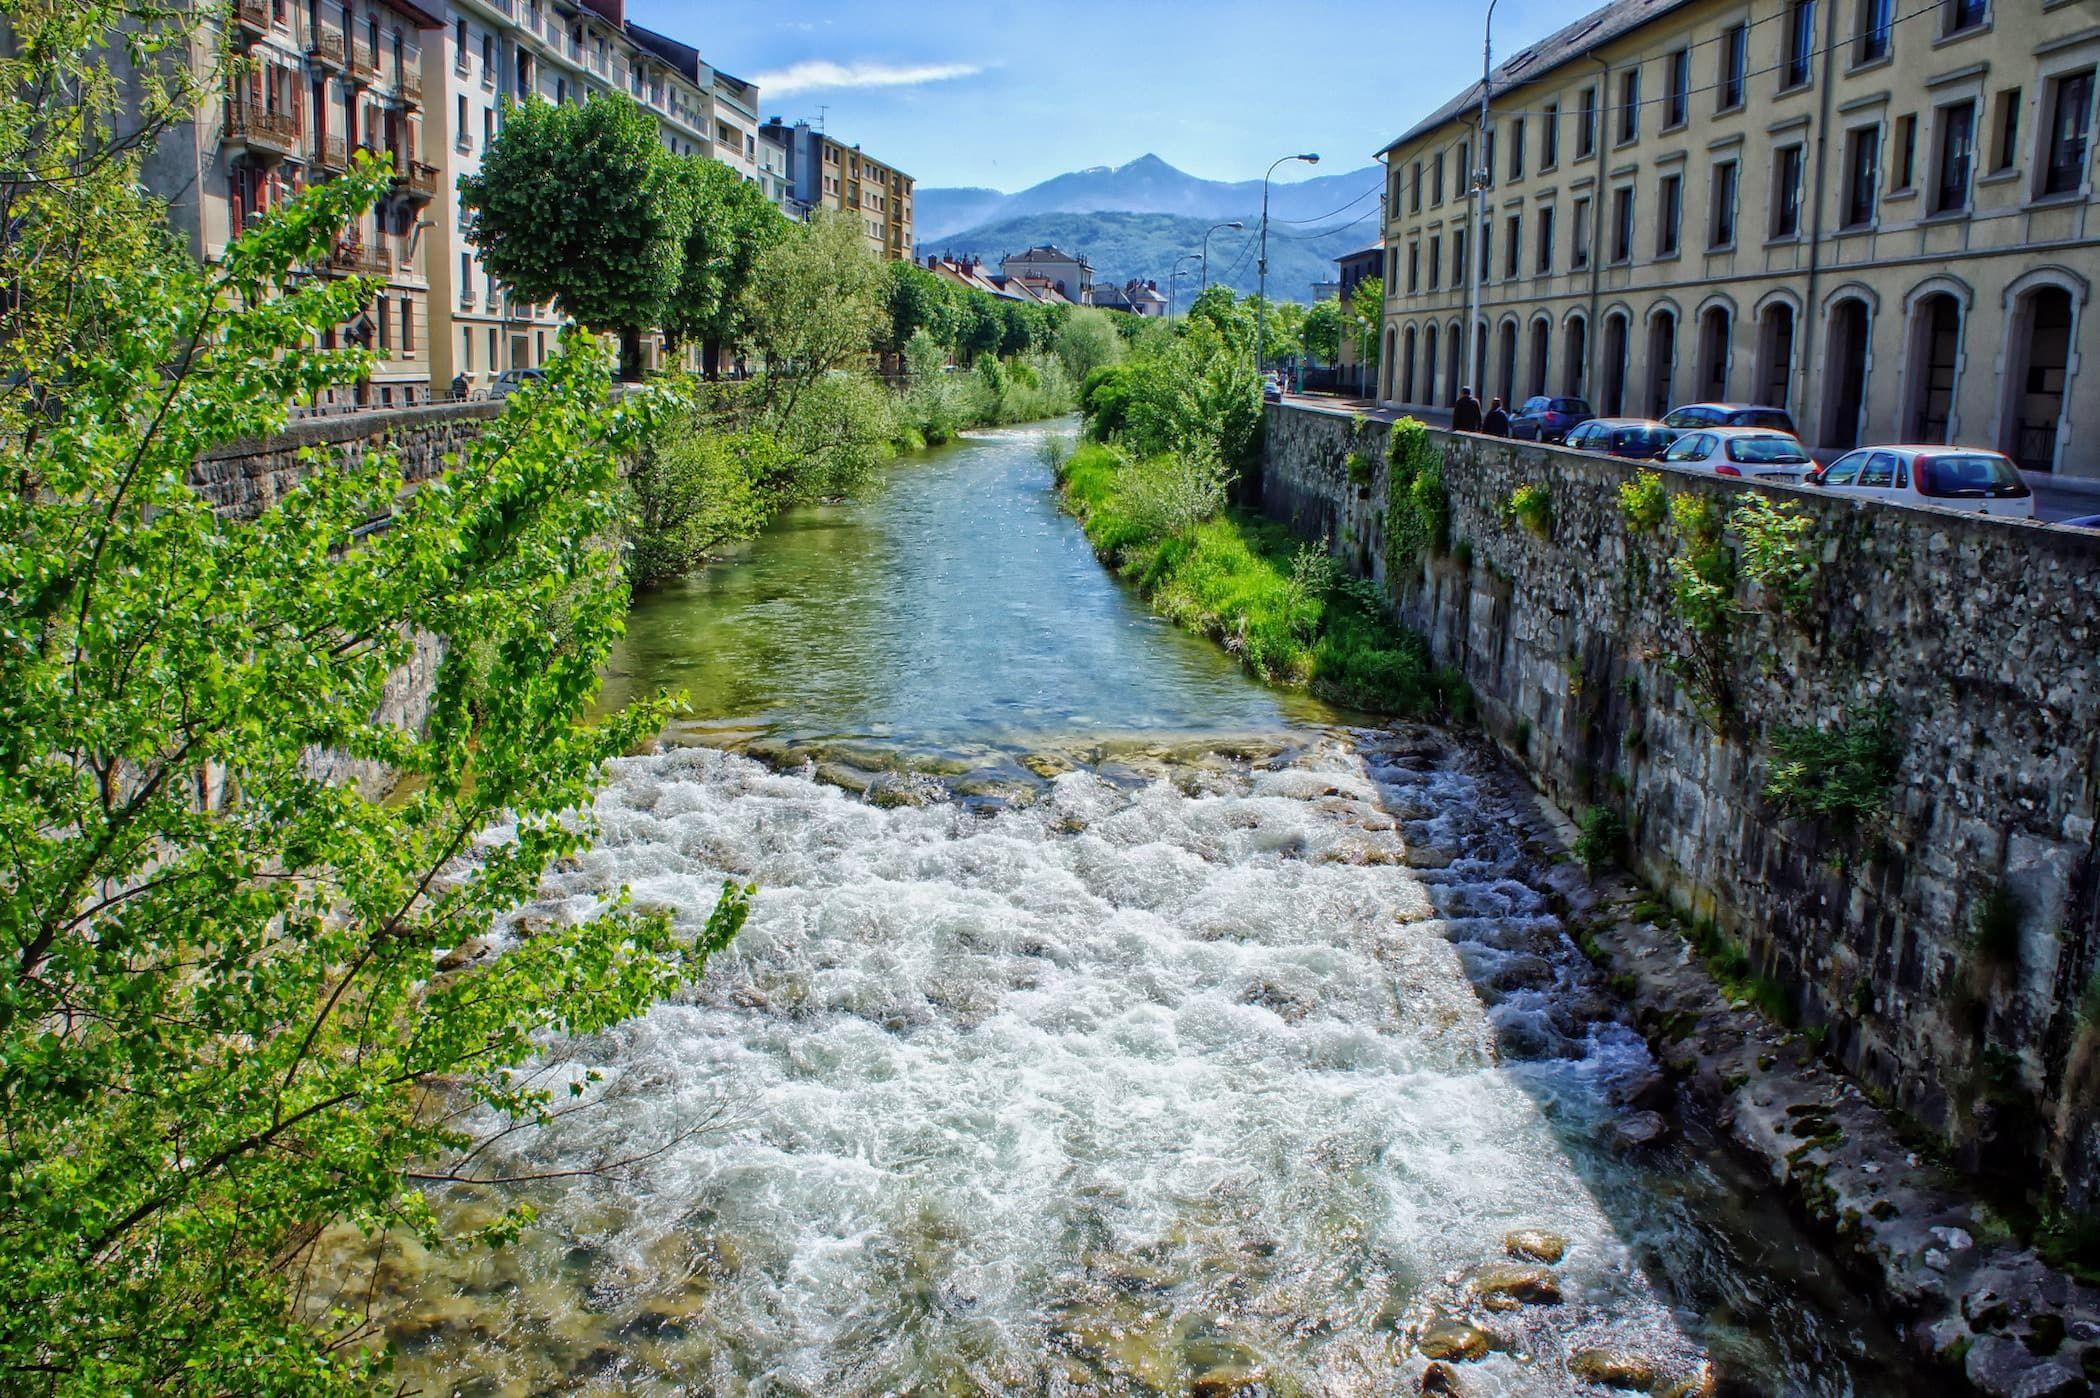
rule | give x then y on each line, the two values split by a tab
1105	1022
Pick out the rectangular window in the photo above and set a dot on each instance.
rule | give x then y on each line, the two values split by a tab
1786	192
382	305
1721	227
1392	191
1436	177
466	277
1512	232
1622	224
1516	149
1800	42
1487	160
1462	173
466	348
488	125
1549	136
1906	152
1862	173
1957	154
2005	146
1586	124
1735	57
492	347
1966	14
2070	119
1669	215
459	45
1545	256
1680	89
1581	258
1458	258
1436	263
1414	267
1876	19
1487	250
1414	199
460	111
408	326
1629	105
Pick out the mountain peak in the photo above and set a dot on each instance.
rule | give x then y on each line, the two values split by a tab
1145	165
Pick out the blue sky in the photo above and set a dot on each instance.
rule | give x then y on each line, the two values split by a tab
1005	94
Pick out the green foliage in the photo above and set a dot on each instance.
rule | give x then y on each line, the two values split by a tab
1530	507
732	226
1322	332
1778	553
1417	507
1359	468
1194	393
580	205
815	305
1643	501
1248	583
1602	837
1087	341
222	1035
1840	774
697	491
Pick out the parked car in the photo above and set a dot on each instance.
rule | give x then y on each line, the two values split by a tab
2083	522
1272	387
1544	419
1630	438
1730	415
1960	478
511	380
1752	453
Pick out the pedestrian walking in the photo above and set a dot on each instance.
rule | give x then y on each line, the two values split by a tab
1496	423
1465	413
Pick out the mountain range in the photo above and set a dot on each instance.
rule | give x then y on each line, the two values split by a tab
1134	220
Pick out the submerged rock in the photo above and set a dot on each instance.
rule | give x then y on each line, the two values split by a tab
1504	1286
1641	1130
1536	1245
1441	1379
1446	1337
1615	1369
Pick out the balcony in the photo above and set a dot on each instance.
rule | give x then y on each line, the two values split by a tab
410	84
253	17
271	135
415	179
331	156
325	50
364	63
355	259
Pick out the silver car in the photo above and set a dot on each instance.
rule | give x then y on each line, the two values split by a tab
1955	478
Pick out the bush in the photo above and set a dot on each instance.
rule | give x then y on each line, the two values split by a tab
1530	506
1417	508
1840	774
1087	341
1602	837
1779	553
1643	501
695	490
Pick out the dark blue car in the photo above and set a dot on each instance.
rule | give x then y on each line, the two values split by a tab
1544	419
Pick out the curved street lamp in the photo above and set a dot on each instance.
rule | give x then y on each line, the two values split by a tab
1174	282
1206	247
1261	281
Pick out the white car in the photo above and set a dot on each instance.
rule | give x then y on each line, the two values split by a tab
511	380
1748	453
1956	478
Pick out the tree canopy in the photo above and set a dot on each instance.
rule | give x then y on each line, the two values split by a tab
733	225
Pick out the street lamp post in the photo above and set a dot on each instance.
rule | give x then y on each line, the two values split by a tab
1479	175
1174	283
1261	277
1206	247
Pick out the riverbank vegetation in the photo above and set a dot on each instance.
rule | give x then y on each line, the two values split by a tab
1170	432
251	1005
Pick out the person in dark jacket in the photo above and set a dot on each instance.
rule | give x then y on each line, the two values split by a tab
1496	423
1465	413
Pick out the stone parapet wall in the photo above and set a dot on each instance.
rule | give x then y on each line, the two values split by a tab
248	477
1984	637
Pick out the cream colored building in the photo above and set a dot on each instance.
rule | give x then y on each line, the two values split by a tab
1878	214
324	78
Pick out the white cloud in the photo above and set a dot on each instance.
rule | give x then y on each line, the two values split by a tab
817	74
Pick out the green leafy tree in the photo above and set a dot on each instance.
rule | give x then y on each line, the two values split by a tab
815	303
732	226
1322	332
918	300
1086	341
1366	312
581	206
229	1010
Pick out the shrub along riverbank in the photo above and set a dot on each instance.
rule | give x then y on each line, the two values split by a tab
1169	431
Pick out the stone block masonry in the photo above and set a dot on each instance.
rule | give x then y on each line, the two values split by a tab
1945	949
248	477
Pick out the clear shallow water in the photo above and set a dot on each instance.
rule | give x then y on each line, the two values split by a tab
1190	1065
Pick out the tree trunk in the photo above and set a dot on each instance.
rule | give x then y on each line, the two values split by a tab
711	357
630	356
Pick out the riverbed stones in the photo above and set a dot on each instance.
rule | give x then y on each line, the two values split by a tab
1449	1337
1640	1131
1536	1245
1505	1286
1616	1368
1441	1379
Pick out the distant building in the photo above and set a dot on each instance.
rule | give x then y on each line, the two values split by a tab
1072	275
824	174
1142	298
1326	291
1352	269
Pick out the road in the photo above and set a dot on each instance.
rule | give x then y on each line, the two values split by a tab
2053	499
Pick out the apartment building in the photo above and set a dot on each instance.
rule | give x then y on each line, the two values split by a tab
324	78
1878	215
826	174
493	51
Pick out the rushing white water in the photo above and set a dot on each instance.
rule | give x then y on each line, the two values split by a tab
1127	1087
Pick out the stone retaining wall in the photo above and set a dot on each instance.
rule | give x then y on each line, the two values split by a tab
248	477
1984	635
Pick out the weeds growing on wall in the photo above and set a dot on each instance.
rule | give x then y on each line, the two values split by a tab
1530	507
1602	837
1702	598
1779	554
1417	507
1644	502
1841	774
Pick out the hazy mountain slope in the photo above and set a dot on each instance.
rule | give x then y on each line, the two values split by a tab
1148	185
1145	245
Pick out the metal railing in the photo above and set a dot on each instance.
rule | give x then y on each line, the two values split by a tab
410	83
331	154
253	14
262	129
364	63
360	259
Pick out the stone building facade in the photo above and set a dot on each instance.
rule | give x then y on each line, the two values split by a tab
827	174
1878	216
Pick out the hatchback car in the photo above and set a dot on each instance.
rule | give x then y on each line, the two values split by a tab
1748	453
1693	415
1545	419
1630	438
1958	478
511	380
